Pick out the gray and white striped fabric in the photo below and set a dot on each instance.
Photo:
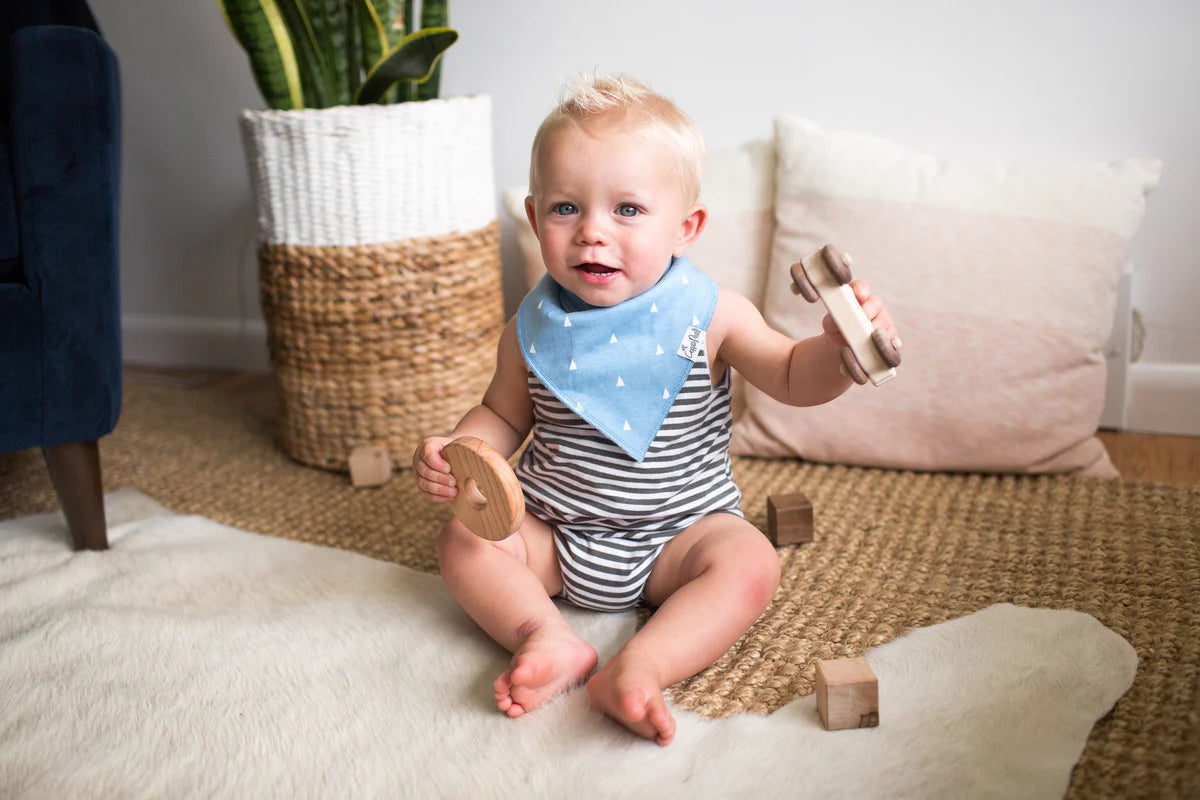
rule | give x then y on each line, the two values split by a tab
611	514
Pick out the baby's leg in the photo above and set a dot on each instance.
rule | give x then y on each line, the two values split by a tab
711	583
505	587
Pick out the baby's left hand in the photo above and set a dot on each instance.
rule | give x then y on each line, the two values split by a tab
872	306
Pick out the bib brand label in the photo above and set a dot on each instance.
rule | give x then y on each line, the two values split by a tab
692	344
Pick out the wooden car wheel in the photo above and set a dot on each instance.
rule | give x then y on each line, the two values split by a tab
838	264
801	285
887	350
853	368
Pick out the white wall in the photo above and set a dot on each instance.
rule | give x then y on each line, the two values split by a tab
1086	79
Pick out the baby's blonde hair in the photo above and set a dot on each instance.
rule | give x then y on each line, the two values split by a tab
649	117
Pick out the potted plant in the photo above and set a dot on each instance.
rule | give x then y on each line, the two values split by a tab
379	259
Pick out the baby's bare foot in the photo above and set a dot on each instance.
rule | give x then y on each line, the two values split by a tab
629	692
550	660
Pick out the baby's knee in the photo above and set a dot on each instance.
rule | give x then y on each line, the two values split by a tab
760	574
456	545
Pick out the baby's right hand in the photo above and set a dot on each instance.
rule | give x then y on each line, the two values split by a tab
432	471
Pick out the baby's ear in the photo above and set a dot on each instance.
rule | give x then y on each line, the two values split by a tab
529	213
689	229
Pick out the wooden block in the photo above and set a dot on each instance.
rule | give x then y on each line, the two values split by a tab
370	465
847	694
789	519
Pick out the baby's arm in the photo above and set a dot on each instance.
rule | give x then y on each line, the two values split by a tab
502	420
803	373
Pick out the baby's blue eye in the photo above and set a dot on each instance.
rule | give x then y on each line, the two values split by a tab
564	208
626	210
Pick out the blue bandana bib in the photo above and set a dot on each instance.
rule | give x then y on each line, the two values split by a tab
619	367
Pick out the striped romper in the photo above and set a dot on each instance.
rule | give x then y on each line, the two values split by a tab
611	514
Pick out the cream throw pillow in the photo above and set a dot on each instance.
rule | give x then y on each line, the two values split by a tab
1001	277
532	268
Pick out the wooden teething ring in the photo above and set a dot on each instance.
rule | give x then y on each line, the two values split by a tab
489	501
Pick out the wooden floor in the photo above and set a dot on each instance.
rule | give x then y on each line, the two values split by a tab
1150	457
1138	456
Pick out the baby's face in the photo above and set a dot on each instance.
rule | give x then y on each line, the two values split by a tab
609	212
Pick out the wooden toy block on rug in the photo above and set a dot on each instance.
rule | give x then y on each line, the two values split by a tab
847	694
789	519
370	465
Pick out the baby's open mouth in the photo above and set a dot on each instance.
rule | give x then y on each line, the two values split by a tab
596	269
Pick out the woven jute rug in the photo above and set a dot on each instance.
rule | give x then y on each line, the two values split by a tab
892	551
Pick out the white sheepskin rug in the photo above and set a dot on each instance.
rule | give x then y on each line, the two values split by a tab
197	660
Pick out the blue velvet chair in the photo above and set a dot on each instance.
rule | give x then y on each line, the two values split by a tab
60	344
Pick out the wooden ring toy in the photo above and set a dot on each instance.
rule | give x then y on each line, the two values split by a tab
489	501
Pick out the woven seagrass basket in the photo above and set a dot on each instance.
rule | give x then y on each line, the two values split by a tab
379	270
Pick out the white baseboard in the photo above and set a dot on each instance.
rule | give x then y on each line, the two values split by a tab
1118	353
1146	397
1164	398
162	340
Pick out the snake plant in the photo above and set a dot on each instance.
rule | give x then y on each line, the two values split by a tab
322	53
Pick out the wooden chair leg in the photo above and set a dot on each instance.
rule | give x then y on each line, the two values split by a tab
75	472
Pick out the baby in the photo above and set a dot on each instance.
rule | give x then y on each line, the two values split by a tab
619	362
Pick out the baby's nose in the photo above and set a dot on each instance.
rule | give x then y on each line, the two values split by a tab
591	231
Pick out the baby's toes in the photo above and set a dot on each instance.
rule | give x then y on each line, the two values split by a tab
658	716
502	688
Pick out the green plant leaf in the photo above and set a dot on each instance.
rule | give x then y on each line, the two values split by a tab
259	28
399	23
434	14
374	35
377	24
314	72
406	6
354	44
329	23
390	13
412	59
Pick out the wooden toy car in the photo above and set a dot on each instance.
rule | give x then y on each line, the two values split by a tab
825	275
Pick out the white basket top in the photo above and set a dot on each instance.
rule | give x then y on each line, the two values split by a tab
354	175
